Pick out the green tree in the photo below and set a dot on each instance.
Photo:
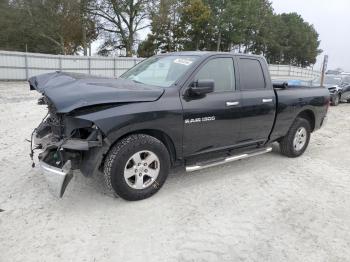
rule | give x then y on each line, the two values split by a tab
60	22
147	47
216	24
166	28
51	26
235	24
194	21
295	41
166	32
258	29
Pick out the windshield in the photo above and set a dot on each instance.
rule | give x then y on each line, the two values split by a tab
346	80
329	80
160	71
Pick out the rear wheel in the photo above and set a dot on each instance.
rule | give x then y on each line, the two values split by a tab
297	139
348	100
136	167
335	101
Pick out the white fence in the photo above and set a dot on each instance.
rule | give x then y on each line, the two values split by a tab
21	66
287	72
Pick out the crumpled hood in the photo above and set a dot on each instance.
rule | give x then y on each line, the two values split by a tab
331	86
69	91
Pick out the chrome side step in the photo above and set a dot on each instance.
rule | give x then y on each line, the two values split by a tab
229	159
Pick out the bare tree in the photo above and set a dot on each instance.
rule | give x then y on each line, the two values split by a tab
121	20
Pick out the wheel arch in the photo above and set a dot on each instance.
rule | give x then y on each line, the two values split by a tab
156	133
308	115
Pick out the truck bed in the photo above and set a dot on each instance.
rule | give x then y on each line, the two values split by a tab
292	100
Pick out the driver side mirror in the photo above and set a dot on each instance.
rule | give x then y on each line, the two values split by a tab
202	87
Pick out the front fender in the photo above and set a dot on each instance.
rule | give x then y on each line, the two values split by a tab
164	115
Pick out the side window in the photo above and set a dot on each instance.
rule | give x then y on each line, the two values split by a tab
221	71
251	74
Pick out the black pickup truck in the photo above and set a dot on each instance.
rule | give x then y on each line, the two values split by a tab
187	109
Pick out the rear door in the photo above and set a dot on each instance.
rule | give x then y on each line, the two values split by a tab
258	100
212	122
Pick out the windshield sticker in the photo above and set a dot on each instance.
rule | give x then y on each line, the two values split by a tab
183	61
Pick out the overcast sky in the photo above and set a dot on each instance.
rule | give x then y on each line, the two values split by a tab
331	20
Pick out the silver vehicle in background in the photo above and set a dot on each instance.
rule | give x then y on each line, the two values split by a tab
345	86
334	85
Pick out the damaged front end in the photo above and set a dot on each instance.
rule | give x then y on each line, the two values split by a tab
67	143
67	138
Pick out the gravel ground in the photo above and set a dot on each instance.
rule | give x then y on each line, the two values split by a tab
267	208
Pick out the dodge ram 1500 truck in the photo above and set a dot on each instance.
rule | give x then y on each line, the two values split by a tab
186	109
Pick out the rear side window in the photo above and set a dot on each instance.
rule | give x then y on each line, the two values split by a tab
221	71
251	74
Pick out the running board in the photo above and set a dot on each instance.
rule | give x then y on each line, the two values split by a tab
229	159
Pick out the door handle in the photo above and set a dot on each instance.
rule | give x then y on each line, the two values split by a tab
267	100
232	103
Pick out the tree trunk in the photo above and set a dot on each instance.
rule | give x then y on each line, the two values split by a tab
84	39
130	37
62	46
129	45
83	26
219	42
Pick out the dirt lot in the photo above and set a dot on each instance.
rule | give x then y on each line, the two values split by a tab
268	208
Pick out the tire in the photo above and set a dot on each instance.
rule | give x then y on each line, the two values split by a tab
131	154
288	146
348	100
335	101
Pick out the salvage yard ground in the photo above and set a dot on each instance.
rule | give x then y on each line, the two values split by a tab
267	208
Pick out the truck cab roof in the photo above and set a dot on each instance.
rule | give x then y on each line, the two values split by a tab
206	54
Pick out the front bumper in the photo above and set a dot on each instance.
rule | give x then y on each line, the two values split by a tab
62	154
57	178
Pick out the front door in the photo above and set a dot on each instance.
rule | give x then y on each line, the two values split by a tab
212	122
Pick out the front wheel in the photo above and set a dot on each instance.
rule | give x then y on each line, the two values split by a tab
297	139
136	167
